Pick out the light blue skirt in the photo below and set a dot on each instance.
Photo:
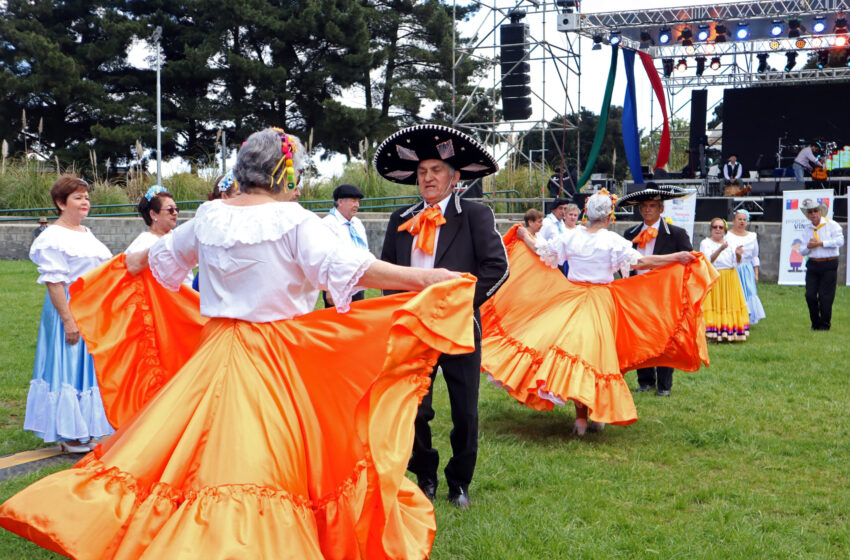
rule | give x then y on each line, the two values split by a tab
63	402
751	294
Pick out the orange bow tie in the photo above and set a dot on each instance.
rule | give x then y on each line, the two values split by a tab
645	237
425	225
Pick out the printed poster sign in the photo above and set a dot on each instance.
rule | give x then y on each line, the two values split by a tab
682	212
792	263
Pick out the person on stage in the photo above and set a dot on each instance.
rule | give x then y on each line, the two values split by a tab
655	237
445	230
732	172
348	228
806	160
257	428
726	314
748	268
822	241
64	403
549	342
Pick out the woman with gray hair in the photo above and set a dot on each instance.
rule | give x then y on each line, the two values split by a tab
281	429
575	343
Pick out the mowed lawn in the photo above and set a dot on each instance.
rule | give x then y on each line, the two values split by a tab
749	458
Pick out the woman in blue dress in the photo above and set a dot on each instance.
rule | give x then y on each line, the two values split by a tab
748	268
64	404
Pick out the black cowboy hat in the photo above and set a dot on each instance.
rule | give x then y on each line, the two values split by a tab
398	157
654	192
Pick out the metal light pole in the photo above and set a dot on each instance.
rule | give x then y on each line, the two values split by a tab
156	38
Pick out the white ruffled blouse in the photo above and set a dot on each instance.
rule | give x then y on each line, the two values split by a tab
750	243
725	260
594	257
259	263
146	240
63	255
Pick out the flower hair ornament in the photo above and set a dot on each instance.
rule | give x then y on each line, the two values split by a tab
285	164
153	191
600	205
226	182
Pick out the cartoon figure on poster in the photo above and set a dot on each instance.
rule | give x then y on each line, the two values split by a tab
793	227
796	258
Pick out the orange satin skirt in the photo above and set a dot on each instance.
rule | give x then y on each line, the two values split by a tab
547	340
248	440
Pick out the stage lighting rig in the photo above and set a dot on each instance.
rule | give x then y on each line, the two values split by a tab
664	35
690	50
800	43
667	66
682	65
646	40
841	25
776	28
791	58
614	38
719	33
743	31
840	41
817	42
794	28
823	58
703	32
686	35
774	45
762	63
819	26
715	63
700	65
597	43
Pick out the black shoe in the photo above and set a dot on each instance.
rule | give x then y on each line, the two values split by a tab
644	388
661	393
459	497
429	488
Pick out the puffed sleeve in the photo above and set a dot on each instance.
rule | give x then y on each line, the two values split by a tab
329	264
622	256
755	251
174	256
555	251
52	264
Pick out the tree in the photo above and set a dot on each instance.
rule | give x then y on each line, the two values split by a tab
679	146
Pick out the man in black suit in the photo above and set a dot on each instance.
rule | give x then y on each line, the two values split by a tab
445	230
654	236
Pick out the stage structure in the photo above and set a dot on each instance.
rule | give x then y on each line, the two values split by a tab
554	88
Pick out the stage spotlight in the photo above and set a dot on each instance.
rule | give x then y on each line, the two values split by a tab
840	41
774	45
719	33
762	62
709	48
816	42
700	65
794	28
690	50
667	66
800	43
776	28
792	61
682	65
703	32
664	35
686	34
646	40
841	25
597	43
614	38
819	26
743	31
823	58
715	63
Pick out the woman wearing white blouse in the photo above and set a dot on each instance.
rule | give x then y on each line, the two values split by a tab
64	402
725	309
748	268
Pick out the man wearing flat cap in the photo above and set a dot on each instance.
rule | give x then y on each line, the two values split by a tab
444	230
348	228
822	241
654	236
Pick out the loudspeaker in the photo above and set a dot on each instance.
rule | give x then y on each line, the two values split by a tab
708	208
791	186
771	210
516	93
763	188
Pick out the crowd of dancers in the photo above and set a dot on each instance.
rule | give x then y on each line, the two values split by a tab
326	410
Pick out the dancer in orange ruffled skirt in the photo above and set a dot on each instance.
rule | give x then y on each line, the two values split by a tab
576	342
254	429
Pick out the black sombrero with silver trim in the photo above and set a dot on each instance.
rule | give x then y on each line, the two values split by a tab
654	192
399	155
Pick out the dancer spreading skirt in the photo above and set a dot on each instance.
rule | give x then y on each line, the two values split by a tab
255	430
64	402
575	342
725	308
748	268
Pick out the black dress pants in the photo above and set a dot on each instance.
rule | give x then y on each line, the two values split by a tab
821	279
659	377
462	374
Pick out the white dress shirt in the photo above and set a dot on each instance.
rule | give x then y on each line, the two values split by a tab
831	234
420	258
339	225
736	171
650	245
551	228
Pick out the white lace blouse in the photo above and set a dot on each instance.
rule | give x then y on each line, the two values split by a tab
725	260
63	255
259	263
750	243
594	257
146	240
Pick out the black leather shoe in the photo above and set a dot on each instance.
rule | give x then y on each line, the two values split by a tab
429	488
459	497
644	388
662	393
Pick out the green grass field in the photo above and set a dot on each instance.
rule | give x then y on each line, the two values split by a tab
749	458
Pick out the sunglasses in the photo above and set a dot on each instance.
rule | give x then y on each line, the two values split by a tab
171	209
717	227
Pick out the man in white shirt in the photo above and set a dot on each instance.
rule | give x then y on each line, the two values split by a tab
347	227
732	173
553	223
822	239
806	160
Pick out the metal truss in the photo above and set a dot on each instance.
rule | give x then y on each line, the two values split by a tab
811	75
803	43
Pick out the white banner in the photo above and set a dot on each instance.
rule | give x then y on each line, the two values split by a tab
682	211
792	270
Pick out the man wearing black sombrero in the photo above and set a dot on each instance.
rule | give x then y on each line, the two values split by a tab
445	230
654	236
